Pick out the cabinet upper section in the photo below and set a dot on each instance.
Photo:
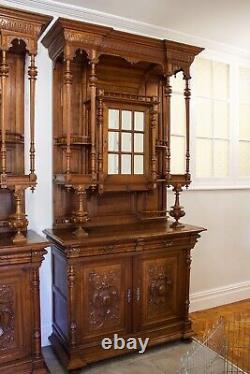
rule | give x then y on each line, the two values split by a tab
67	36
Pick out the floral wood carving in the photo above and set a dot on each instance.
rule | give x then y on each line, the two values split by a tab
159	284
104	299
7	317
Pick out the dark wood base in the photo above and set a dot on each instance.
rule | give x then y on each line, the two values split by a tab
22	367
81	356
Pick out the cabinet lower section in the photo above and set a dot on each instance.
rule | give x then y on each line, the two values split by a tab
20	336
132	288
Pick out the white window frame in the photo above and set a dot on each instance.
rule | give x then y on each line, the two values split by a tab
233	180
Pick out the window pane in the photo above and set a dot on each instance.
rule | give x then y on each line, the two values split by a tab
113	163
221	80
177	155
221	155
244	85
177	83
204	158
245	122
126	164
113	141
139	121
126	142
204	118
138	164
113	120
244	159
138	142
203	77
221	120
126	120
178	123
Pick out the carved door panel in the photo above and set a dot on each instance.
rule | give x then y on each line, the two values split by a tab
15	318
158	289
106	307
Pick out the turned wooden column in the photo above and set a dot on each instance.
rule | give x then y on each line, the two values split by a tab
154	123
100	140
168	93
4	70
187	95
92	84
32	73
67	109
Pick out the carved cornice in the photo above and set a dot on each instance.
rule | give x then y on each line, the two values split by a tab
21	25
68	36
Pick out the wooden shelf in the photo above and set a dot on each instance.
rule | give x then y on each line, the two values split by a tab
74	140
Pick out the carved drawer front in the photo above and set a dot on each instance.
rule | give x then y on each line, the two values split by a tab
15	317
107	300
157	290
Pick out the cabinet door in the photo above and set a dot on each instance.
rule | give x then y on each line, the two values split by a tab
15	315
106	307
158	289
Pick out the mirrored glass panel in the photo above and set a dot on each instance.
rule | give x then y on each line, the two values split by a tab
126	120
113	140
138	164
139	121
113	164
113	119
126	142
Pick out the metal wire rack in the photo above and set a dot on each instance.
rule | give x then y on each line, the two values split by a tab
224	350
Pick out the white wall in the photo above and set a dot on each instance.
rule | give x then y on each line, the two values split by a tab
220	269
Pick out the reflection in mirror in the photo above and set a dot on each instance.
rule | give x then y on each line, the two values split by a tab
126	142
126	120
138	164
113	138
113	164
139	121
126	164
113	120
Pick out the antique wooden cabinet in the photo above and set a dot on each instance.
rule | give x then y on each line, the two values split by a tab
119	264
21	250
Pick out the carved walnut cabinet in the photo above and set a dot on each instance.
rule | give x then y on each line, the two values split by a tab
21	250
119	264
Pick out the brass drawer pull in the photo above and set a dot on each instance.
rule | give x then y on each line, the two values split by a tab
138	294
129	295
168	244
108	248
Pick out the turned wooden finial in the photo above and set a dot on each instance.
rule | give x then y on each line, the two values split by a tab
177	211
80	216
18	220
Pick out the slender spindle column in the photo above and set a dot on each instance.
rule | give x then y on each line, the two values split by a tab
68	76
4	70
92	83
187	95
154	122
32	73
168	93
100	142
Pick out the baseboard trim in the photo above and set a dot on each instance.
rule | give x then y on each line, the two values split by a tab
219	296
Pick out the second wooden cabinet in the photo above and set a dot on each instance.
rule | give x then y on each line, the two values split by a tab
128	284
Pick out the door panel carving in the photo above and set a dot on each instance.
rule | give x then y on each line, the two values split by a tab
7	317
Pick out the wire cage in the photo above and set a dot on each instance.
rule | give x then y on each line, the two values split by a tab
225	349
